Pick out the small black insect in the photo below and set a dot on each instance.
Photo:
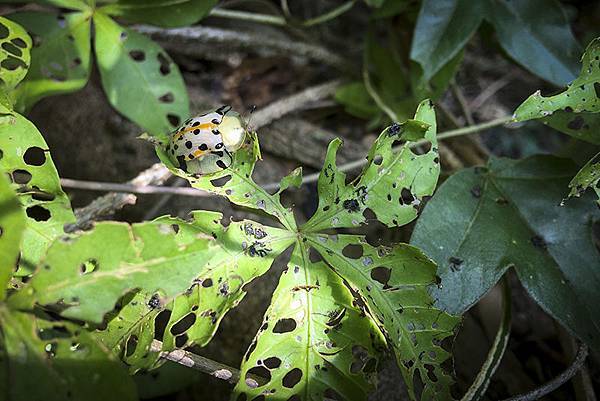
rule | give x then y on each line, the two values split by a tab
394	129
154	302
256	249
351	205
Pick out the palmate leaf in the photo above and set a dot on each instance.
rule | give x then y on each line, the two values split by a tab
60	58
314	343
26	158
158	100
587	177
15	46
484	220
391	185
56	361
12	225
237	185
392	283
572	111
165	13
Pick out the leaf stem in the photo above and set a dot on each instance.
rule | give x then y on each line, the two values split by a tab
336	12
248	16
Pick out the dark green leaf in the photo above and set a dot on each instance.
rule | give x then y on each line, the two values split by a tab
56	361
12	225
443	29
60	58
137	74
26	158
391	185
356	100
392	284
15	45
484	220
587	177
166	13
571	111
537	34
314	344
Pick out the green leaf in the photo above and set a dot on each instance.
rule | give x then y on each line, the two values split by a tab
391	185
442	31
570	111
15	45
537	34
587	177
484	220
392	283
61	57
438	84
314	344
26	158
139	78
56	361
12	225
356	100
165	13
236	183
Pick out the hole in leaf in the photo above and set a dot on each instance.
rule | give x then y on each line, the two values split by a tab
417	384
272	362
42	196
34	156
21	176
314	256
431	372
207	283
219	182
260	374
292	378
137	55
38	213
160	324
4	32
184	324
165	64
12	49
181	340
167	98
352	251
173	119
131	345
12	63
378	159
381	274
331	394
88	266
406	197
284	326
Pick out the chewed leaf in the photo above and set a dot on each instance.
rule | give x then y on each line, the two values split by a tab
15	45
26	158
57	361
157	101
12	225
236	183
314	343
392	284
164	13
570	111
392	184
60	57
587	177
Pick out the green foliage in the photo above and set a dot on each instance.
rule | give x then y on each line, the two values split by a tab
26	158
15	46
484	220
124	55
535	33
587	177
60	58
314	343
12	225
164	13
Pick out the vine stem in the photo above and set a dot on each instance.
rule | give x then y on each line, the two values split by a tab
248	16
310	178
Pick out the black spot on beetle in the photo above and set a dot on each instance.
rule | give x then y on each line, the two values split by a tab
476	191
576	123
351	205
539	242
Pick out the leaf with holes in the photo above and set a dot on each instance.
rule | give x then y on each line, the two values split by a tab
15	46
25	156
572	111
12	225
165	13
393	183
484	220
56	361
236	183
587	177
314	343
392	284
158	100
60	56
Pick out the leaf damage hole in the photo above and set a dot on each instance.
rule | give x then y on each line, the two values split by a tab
34	156
272	362
183	324
12	63
12	49
4	31
38	213
131	345
160	324
174	119
88	266
21	177
284	325
207	283
292	378
259	374
181	340
352	251
220	182
406	197
165	64
382	275
137	55
167	98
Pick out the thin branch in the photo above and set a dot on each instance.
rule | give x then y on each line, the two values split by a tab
462	101
336	12
558	381
248	16
375	96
